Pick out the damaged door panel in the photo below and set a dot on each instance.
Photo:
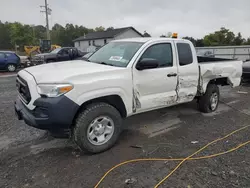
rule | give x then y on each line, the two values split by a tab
156	87
188	73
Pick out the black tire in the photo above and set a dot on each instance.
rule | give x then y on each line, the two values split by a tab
11	67
205	100
85	118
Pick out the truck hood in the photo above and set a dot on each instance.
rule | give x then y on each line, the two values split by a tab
62	72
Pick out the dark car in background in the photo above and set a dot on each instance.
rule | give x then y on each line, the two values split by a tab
9	61
59	54
246	70
86	56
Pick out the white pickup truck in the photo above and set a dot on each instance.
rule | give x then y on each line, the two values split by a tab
123	78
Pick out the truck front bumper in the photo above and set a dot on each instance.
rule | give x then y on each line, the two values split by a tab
53	114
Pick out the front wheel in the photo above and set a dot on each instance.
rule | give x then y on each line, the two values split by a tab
210	100
11	68
97	128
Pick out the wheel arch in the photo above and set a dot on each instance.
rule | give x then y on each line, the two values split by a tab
114	100
217	81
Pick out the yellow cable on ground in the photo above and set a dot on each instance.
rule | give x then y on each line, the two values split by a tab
198	151
204	157
180	159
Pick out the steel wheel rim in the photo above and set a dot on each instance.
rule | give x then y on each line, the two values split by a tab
214	101
100	130
11	67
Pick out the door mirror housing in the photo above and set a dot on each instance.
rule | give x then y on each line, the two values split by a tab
147	63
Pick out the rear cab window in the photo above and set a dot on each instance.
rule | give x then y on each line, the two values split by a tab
185	54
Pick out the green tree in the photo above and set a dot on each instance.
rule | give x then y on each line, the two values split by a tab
110	28
190	39
239	40
199	43
5	36
196	42
21	34
247	41
58	35
222	37
101	28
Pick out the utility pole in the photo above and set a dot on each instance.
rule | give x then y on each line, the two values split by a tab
47	12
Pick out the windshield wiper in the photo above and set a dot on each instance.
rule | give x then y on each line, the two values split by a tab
103	63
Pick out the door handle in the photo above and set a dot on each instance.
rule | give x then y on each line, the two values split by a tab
172	75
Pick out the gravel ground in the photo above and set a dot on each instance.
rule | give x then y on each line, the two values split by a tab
32	158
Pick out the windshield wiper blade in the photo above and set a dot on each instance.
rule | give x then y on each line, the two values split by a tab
103	63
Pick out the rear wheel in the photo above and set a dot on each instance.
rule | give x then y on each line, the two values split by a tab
11	67
97	127
210	100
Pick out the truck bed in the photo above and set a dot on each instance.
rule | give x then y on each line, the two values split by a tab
231	70
204	59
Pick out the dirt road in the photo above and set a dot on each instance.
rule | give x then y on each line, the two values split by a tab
32	158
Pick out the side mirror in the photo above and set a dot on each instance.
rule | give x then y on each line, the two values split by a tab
147	63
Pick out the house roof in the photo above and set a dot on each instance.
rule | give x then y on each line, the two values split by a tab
105	34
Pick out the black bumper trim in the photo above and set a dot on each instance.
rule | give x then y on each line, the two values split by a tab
49	114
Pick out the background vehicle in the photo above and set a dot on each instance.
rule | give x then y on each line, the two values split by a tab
246	70
44	47
86	56
59	54
123	78
9	61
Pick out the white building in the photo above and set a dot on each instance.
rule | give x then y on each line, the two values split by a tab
92	41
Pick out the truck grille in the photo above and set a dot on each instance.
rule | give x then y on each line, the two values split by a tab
23	89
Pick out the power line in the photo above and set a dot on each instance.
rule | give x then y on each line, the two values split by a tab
47	12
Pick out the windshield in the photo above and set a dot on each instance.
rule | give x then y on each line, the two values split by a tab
87	55
55	51
116	53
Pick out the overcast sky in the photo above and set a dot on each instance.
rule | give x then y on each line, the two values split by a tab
187	17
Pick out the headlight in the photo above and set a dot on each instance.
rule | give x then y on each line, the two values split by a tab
54	90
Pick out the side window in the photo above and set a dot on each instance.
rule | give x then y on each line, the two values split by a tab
2	55
64	52
74	51
162	53
184	53
11	55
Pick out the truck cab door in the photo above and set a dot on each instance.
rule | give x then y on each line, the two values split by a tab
63	55
3	60
188	71
155	87
74	53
